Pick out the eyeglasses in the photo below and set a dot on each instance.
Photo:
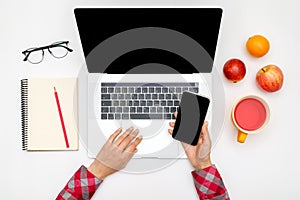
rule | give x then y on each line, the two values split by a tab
57	50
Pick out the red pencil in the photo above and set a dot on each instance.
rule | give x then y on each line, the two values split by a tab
61	118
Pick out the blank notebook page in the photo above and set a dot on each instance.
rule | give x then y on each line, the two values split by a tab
44	125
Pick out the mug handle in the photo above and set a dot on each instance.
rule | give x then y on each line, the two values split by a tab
241	136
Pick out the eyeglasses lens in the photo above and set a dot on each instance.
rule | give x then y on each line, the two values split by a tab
58	51
36	57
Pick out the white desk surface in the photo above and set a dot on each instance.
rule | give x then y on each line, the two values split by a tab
265	167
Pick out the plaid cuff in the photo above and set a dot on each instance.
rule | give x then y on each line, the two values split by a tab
209	184
81	186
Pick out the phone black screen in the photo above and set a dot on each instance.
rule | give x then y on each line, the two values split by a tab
190	118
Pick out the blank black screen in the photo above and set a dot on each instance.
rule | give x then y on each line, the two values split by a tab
191	114
97	24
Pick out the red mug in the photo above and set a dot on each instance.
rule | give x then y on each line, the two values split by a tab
250	114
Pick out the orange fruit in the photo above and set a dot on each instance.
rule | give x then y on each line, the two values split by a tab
258	45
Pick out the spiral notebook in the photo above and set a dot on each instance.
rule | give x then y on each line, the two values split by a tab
49	114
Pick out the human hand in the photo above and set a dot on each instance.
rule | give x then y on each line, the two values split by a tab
115	153
199	155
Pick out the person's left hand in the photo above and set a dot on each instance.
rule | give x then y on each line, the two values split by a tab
115	153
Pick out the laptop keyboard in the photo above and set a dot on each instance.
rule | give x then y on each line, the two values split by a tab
142	100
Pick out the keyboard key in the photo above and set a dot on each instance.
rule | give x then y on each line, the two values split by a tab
149	103
168	96
165	90
158	90
134	96
169	103
104	109
146	109
163	103
124	90
112	109
174	96
151	90
139	109
110	116
159	109
127	96
176	103
119	109
173	109
154	96
103	90
144	90
122	103
105	96
137	90
141	96
132	109
110	90
130	90
166	109
152	109
129	103
136	103
146	116
173	116
185	89
143	103
178	90
114	96
148	96
117	116
117	90
172	90
126	109
125	116
161	96
196	90
105	103
115	103
156	103
167	116
103	116
120	96
191	89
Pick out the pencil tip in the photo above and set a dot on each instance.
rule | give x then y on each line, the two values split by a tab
54	89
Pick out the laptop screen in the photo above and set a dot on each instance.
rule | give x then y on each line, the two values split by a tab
116	40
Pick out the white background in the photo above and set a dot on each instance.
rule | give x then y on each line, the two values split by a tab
265	167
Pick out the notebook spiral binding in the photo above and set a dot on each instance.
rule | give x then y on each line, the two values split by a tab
24	112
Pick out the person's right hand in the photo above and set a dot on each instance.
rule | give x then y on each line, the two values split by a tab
199	155
116	152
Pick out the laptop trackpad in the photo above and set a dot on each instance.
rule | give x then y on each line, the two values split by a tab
141	123
148	128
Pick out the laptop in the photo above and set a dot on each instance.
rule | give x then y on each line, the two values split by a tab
139	62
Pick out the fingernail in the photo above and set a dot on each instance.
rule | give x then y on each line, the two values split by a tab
140	137
135	150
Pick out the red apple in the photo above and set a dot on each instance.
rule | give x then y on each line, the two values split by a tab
270	78
234	70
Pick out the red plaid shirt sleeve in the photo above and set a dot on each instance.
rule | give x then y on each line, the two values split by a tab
81	186
209	184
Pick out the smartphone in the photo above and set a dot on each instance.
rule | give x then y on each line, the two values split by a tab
190	118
